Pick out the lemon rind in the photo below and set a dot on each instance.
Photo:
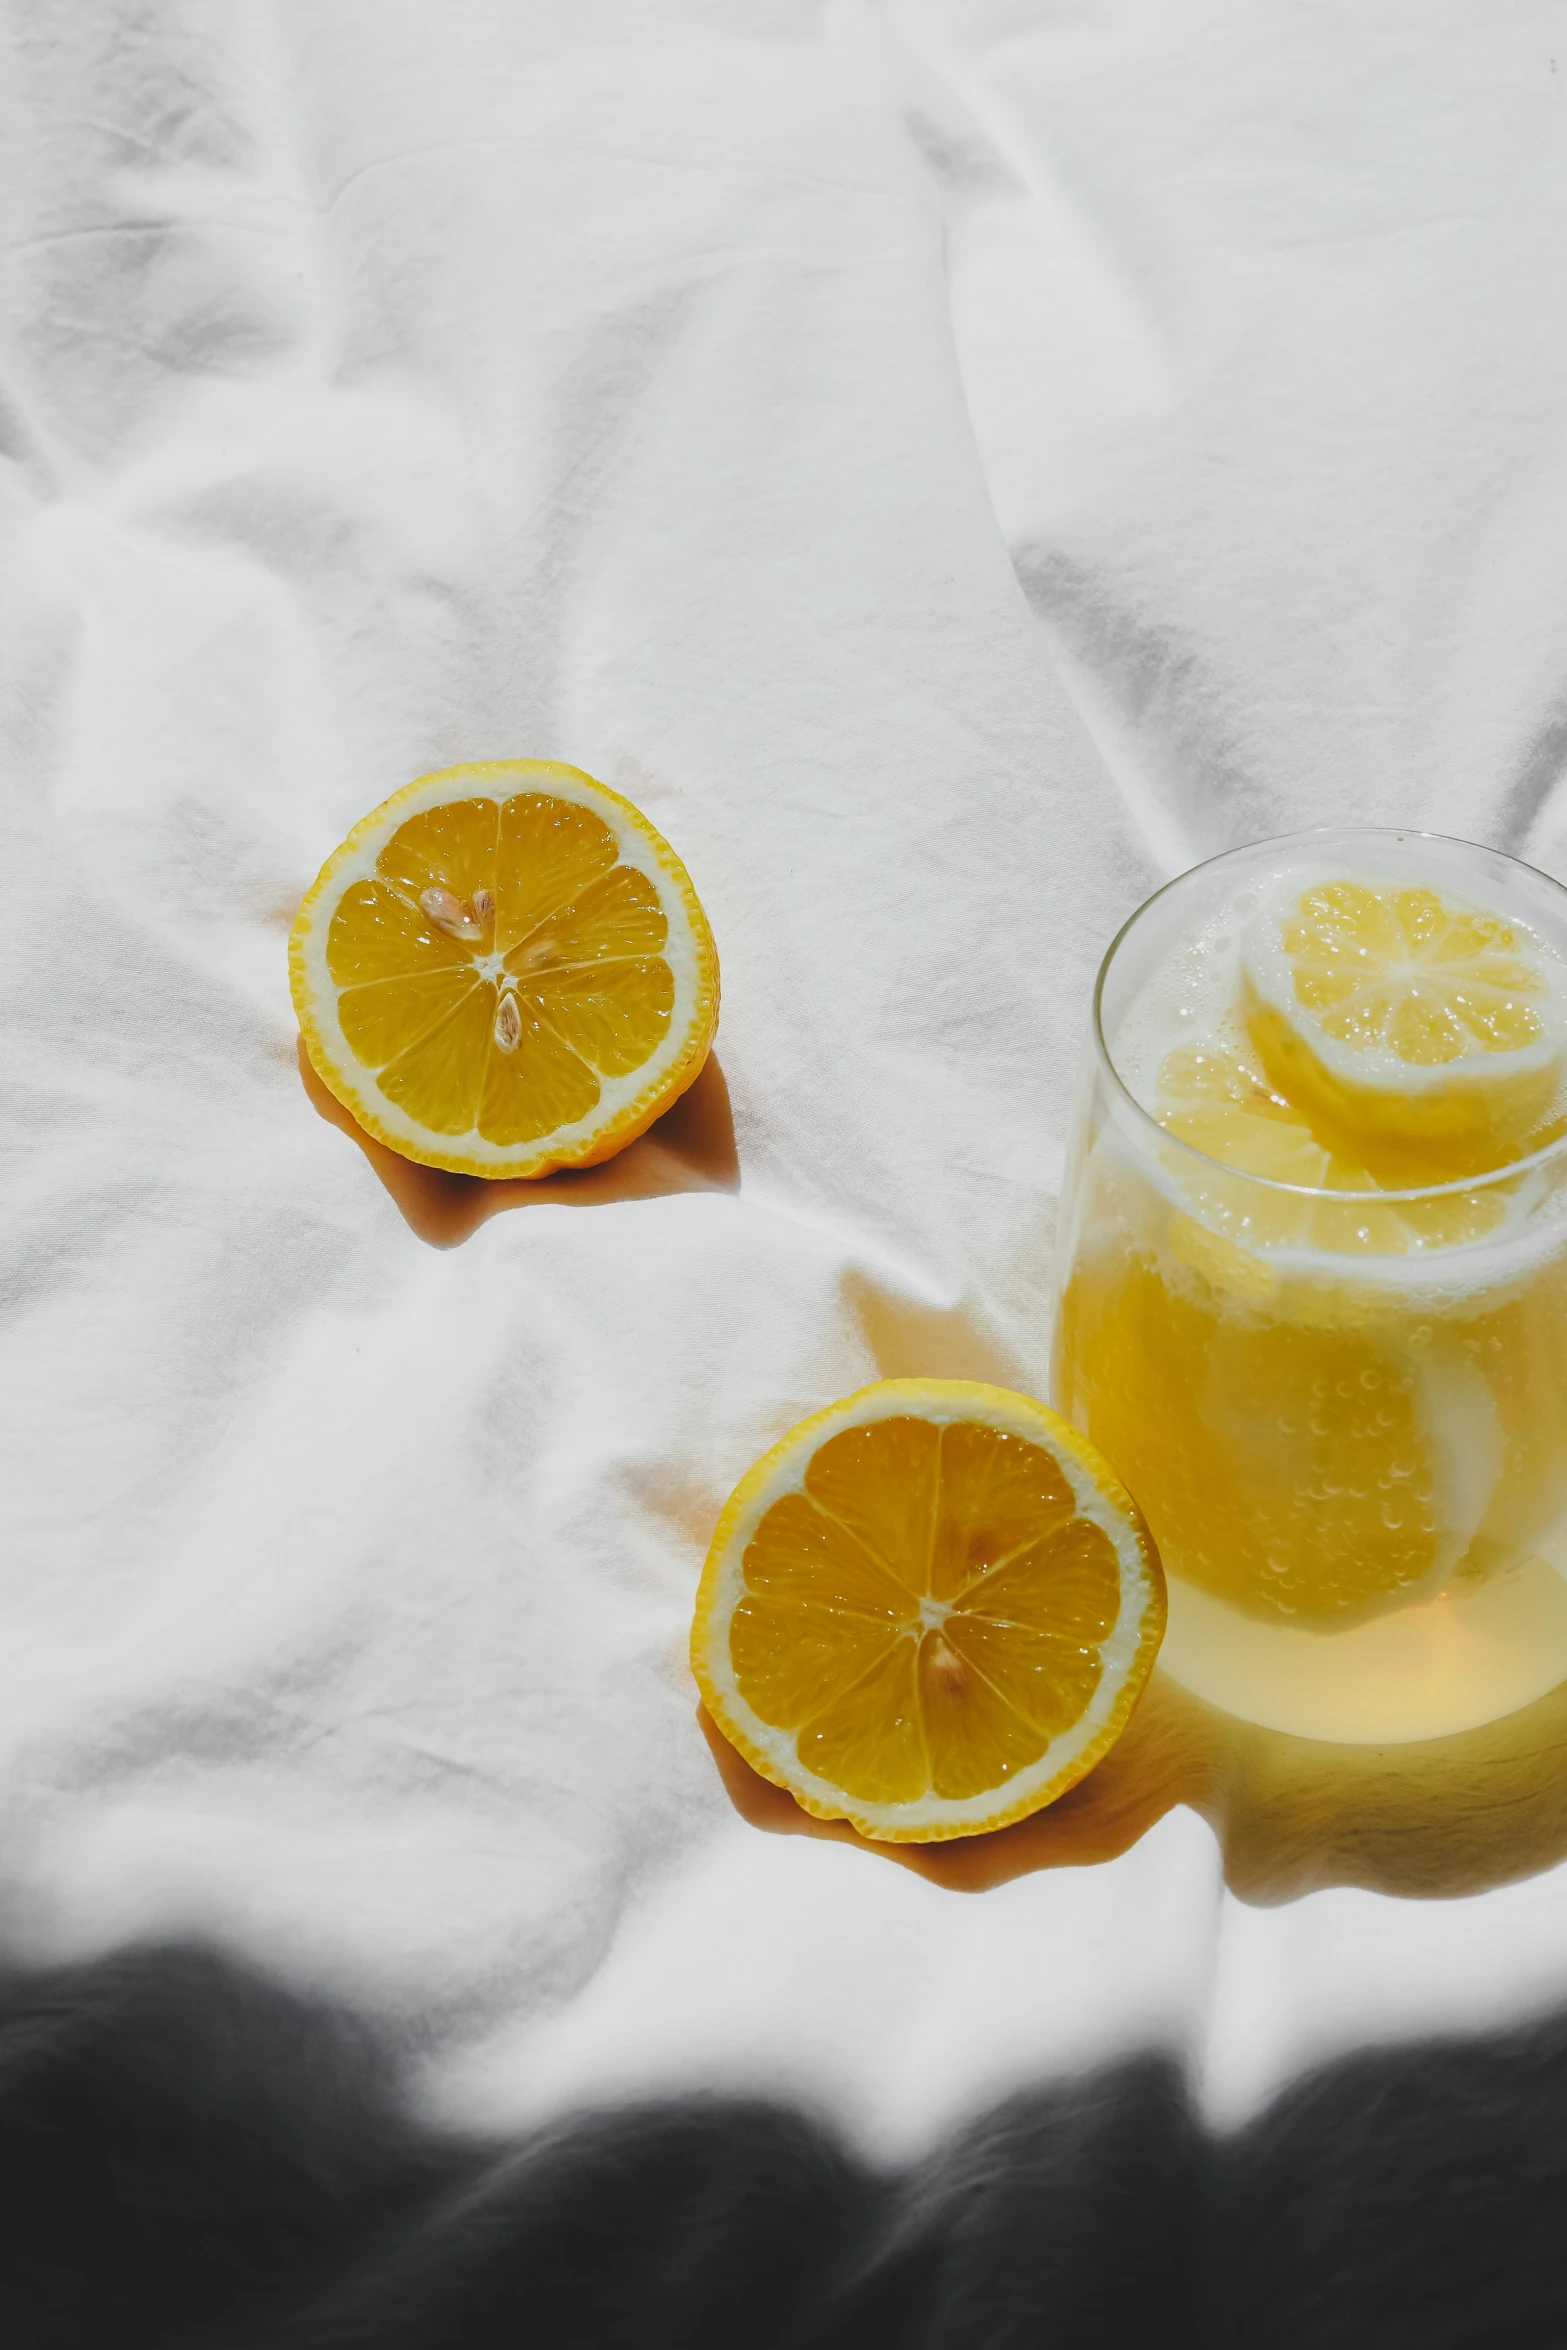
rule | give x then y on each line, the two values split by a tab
634	1101
1127	1655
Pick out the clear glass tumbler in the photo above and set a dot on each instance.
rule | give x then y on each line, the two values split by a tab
1340	1403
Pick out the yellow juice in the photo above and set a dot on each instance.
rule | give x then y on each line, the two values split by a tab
1332	1371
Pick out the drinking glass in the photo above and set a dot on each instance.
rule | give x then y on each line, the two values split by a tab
1343	1413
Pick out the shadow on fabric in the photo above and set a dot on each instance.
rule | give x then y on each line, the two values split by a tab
691	1148
1428	1821
191	2156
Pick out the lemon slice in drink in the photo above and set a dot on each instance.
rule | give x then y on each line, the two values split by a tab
1426	1031
504	969
1217	1098
929	1610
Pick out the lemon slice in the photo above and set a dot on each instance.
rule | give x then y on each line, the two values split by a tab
1427	1030
929	1610
504	969
1217	1098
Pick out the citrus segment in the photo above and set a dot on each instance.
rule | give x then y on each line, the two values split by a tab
928	1611
450	845
548	851
382	1019
504	969
435	1080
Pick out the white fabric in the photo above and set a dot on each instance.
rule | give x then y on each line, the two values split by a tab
953	466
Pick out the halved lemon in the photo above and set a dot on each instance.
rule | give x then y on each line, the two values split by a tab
1428	1030
929	1610
504	969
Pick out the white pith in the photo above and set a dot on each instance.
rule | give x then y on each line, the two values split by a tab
641	849
1119	1651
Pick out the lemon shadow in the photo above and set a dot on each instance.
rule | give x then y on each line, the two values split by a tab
1428	1821
691	1148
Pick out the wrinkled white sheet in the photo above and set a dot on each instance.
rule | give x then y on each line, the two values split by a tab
953	464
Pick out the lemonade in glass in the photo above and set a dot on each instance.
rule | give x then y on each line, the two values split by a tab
1312	1286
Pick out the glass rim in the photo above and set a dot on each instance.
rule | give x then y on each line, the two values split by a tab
1463	1185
